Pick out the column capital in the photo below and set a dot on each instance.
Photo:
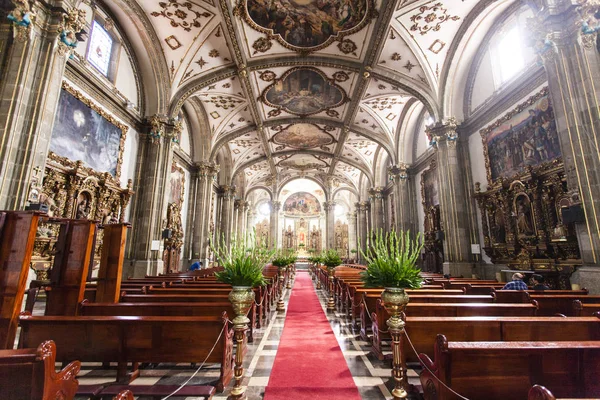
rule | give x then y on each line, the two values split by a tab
329	205
443	131
376	192
69	29
275	205
363	206
157	128
398	172
20	18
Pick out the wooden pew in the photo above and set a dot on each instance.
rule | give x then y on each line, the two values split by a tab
422	330
378	315
538	392
507	370
165	309
560	304
30	374
136	339
585	310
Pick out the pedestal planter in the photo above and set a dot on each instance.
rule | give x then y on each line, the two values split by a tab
280	303
395	301
331	301
241	298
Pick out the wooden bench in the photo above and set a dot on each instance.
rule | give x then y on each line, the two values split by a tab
423	330
165	309
379	315
538	392
136	339
507	370
585	310
561	304
30	374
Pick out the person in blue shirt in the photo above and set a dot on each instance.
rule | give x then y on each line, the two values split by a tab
516	283
195	266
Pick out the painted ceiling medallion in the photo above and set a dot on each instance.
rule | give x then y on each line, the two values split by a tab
302	163
302	92
303	136
306	25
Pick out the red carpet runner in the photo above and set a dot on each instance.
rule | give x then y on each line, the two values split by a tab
309	362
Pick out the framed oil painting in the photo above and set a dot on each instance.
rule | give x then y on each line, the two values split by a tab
176	185
84	132
524	137
302	203
303	136
429	187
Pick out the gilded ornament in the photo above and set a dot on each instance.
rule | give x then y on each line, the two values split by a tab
70	28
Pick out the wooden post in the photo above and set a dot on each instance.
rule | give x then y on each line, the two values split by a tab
17	235
74	249
111	263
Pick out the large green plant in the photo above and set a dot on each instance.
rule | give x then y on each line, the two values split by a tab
284	258
242	265
391	261
331	258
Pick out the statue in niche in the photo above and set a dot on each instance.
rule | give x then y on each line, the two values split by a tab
83	209
288	238
524	220
315	239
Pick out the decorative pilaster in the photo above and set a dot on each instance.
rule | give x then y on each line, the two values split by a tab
275	207
362	209
30	89
155	157
453	199
352	245
376	198
206	173
405	209
330	223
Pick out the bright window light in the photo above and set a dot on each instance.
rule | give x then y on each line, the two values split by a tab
264	209
100	48
509	54
339	210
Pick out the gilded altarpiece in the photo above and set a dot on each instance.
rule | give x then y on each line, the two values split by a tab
521	209
71	189
262	229
173	225
341	238
433	257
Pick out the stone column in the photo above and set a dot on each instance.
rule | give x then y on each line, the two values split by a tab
36	41
405	211
226	194
376	197
242	210
190	229
206	173
363	210
155	157
352	245
453	199
274	225
567	44
330	223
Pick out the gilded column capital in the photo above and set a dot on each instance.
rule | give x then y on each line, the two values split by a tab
69	31
156	130
376	192
20	18
275	205
398	172
443	131
364	206
329	206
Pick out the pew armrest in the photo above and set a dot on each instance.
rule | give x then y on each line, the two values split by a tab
62	384
538	392
124	395
429	383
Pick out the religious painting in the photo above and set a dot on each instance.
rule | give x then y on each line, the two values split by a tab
176	184
429	186
303	136
523	211
525	137
302	203
306	25
303	163
303	91
83	131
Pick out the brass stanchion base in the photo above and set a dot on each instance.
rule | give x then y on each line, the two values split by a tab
318	285
289	284
280	304
331	304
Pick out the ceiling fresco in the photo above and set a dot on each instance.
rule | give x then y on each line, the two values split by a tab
304	24
310	88
303	92
303	136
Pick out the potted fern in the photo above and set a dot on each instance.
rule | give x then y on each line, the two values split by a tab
391	264
331	259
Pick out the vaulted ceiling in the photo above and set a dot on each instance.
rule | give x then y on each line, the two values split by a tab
311	88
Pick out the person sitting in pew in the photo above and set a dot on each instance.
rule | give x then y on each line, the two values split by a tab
516	283
537	281
196	266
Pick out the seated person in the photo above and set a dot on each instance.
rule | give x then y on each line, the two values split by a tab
516	283
537	281
196	266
